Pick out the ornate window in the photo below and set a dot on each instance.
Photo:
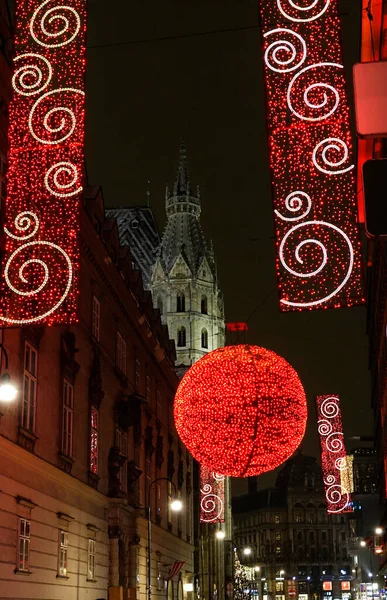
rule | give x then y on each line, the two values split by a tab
68	418
63	553
91	552
24	545
203	305
204	338
30	384
181	337
180	302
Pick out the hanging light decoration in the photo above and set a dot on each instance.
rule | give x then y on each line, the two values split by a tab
241	410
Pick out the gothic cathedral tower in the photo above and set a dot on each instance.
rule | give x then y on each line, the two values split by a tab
184	279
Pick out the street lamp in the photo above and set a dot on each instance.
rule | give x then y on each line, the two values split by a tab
7	389
378	531
363	543
220	534
247	551
176	505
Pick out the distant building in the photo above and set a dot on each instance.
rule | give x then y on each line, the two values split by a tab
294	548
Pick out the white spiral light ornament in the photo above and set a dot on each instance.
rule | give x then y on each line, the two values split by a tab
211	505
334	441
311	273
294	203
322	88
324	427
29	79
276	50
59	25
67	123
330	408
64	170
23	222
336	494
307	13
337	146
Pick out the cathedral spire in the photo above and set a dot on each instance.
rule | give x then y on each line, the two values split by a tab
182	186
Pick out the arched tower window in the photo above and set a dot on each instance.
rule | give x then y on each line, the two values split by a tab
180	302
204	338
181	337
203	305
160	304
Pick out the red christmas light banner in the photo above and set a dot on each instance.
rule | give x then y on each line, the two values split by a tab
211	496
46	155
334	460
311	157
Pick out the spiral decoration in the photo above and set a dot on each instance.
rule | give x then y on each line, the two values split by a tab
67	171
329	407
306	271
56	26
23	222
22	258
336	466
211	505
50	132
312	11
31	79
322	106
294	203
331	145
277	51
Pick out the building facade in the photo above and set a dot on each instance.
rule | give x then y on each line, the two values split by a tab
293	548
90	441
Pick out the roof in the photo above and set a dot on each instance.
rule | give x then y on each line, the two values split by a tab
137	229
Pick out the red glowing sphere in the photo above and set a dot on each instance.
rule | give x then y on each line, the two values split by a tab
241	410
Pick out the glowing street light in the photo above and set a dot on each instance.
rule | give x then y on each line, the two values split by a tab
379	531
8	390
246	551
220	534
363	543
176	505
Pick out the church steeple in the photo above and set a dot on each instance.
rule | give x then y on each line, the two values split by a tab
180	199
182	184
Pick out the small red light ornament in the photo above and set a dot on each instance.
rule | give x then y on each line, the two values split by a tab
241	410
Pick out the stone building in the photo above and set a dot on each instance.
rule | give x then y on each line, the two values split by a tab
293	547
91	428
179	268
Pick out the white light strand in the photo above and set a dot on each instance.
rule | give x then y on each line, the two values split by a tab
272	57
30	71
59	22
310	6
312	87
338	146
293	203
49	114
318	243
23	222
55	171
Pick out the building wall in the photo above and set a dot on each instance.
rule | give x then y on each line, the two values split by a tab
133	391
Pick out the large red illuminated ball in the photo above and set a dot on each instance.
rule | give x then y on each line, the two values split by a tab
241	410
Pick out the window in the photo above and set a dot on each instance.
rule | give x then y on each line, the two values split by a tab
343	537
94	439
95	318
120	353
277	536
68	418
180	302
310	517
276	519
148	388
323	536
24	545
204	338
160	304
30	382
122	445
137	374
181	337
299	516
62	554
91	560
203	305
279	586
311	536
134	224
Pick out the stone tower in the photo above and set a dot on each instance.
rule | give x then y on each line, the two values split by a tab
184	279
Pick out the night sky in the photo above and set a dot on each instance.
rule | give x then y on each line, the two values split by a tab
143	96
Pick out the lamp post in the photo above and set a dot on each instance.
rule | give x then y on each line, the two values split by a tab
176	505
7	389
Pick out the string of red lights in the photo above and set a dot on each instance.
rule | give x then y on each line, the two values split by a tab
46	157
311	156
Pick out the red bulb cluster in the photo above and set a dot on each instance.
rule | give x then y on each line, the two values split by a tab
46	156
311	156
337	469
241	410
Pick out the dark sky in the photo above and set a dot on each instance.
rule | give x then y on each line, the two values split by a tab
144	96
